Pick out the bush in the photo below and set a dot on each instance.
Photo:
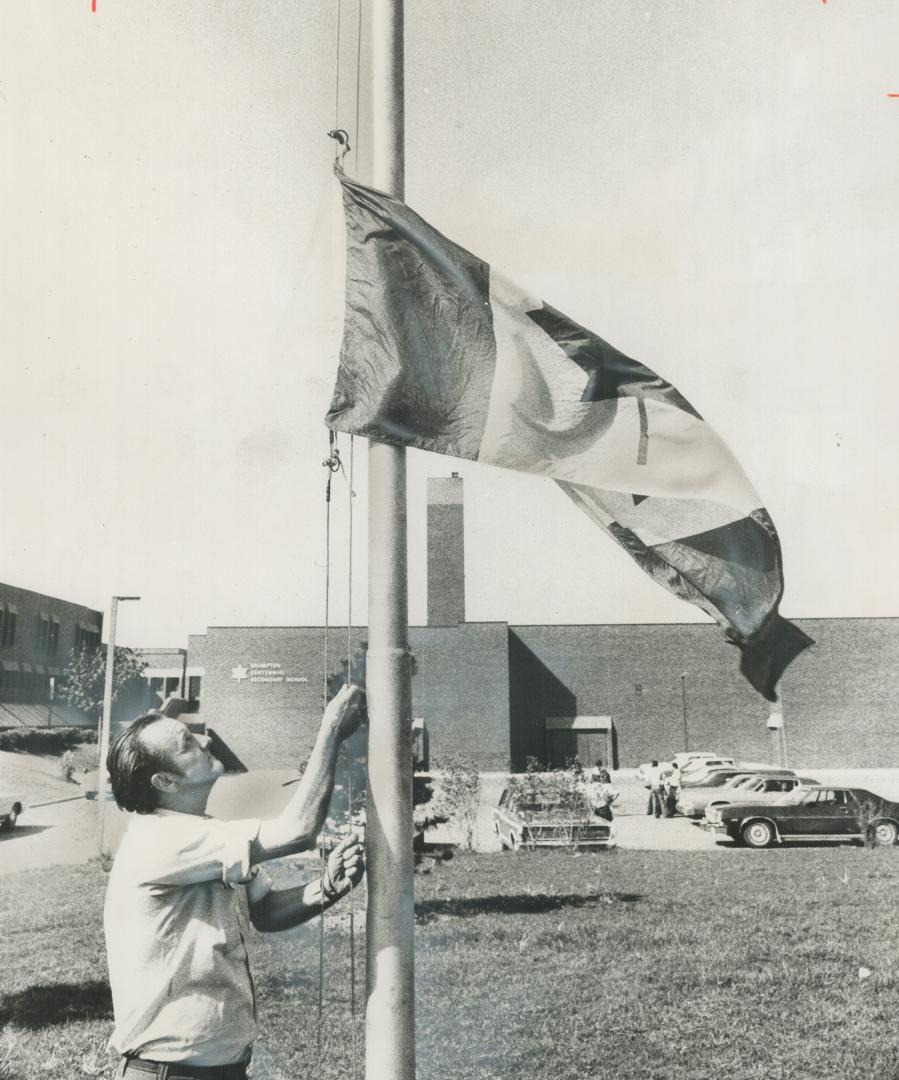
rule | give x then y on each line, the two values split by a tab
44	741
456	798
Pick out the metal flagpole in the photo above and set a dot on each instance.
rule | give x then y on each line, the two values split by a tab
106	718
390	1011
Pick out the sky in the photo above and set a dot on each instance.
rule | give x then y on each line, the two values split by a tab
711	186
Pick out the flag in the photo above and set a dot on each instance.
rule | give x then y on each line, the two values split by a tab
443	353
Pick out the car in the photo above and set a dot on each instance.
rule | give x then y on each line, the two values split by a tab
725	774
683	759
764	789
742	788
695	770
10	811
837	814
526	819
697	777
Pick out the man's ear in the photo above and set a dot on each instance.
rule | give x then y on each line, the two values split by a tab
164	781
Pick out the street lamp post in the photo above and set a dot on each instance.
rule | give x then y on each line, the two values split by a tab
683	697
107	717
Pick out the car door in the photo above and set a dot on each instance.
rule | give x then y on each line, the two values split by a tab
830	814
805	818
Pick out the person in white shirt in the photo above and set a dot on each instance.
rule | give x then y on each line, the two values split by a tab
654	779
672	790
184	885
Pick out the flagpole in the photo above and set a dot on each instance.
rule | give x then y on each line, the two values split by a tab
390	1011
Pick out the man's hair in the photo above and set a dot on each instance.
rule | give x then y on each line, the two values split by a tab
131	765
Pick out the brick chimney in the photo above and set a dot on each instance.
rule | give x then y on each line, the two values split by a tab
446	551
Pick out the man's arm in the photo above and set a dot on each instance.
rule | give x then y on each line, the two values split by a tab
281	909
297	826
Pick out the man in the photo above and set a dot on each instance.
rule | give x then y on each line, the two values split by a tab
654	779
600	773
184	884
672	790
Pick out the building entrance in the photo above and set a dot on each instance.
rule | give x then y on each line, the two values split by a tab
587	738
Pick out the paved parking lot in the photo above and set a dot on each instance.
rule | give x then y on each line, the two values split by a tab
60	825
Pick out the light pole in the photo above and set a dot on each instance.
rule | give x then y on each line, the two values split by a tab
107	716
683	697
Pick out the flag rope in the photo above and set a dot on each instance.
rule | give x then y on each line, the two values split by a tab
337	132
349	762
334	464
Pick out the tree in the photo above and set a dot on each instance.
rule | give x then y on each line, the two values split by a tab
84	677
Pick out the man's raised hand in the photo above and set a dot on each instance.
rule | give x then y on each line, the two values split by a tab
346	863
344	711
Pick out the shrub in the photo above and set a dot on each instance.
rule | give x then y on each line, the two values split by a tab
44	741
561	789
456	798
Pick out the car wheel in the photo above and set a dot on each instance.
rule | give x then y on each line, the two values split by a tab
883	833
757	834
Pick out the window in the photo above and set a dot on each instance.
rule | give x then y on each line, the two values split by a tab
87	637
193	687
43	633
53	640
8	618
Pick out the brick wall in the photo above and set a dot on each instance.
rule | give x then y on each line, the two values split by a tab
270	719
484	690
840	698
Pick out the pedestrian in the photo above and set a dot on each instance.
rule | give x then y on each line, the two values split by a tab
600	773
67	766
672	790
654	778
184	885
603	797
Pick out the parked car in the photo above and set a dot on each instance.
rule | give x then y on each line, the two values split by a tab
521	820
764	789
10	809
699	777
695	769
744	787
821	814
685	760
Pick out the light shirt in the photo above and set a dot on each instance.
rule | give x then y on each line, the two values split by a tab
654	776
176	917
674	778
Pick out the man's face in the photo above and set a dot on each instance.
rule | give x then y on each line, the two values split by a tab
188	755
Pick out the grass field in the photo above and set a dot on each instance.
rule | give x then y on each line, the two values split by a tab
726	965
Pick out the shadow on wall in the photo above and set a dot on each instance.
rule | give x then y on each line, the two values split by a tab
43	1006
534	694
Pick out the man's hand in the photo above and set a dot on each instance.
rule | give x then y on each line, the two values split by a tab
344	713
346	864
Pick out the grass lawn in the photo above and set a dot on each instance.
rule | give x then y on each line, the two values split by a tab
725	965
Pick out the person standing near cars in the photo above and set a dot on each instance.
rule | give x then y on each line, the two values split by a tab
672	790
601	774
654	778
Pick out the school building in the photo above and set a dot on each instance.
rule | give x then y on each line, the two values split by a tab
495	694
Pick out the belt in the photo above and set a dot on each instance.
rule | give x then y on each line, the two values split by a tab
176	1070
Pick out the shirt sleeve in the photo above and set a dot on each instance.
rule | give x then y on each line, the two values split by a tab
195	849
